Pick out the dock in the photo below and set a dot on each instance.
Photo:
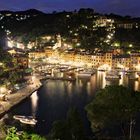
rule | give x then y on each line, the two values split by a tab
59	78
17	97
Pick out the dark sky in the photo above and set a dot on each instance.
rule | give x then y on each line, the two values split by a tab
123	7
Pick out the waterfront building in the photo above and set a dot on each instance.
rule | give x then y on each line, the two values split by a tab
100	60
36	55
68	56
122	62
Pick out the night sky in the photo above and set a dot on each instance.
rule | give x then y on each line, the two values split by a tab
123	7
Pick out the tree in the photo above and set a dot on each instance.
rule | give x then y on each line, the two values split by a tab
37	137
75	125
69	129
13	77
59	131
114	105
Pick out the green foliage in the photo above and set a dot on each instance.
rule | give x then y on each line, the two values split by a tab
75	125
13	77
113	105
59	131
36	137
12	135
69	129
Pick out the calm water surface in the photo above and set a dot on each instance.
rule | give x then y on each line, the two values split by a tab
52	101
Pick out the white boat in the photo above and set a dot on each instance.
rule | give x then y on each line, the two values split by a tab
28	121
112	75
85	73
25	119
18	117
79	69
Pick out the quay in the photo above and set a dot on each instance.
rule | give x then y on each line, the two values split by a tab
17	97
59	78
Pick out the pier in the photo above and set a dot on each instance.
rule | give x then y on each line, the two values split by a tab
16	97
59	78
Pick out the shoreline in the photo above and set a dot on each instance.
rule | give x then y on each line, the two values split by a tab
16	98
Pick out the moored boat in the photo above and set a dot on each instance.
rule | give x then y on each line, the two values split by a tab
85	73
28	121
18	117
112	75
25	119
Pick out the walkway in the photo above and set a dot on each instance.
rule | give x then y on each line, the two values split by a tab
17	97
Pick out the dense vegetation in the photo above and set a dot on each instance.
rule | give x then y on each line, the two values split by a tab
114	112
80	25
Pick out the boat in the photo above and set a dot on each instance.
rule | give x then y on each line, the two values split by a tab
85	73
25	119
18	117
28	121
112	75
79	69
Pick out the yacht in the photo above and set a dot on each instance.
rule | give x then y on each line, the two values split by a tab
28	121
85	73
79	69
112	75
18	117
25	119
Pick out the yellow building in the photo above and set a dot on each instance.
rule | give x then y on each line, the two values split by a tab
100	60
68	56
122	62
49	52
36	55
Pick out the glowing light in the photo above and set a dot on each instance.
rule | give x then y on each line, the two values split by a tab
122	78
109	36
34	101
3	89
76	34
10	43
137	67
78	44
136	86
104	67
130	45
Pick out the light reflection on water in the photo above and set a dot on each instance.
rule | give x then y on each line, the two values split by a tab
34	101
101	82
55	98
